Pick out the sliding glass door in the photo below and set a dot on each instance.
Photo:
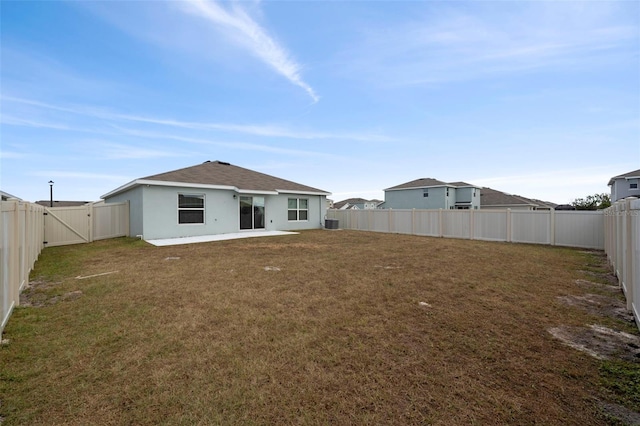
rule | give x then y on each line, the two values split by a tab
251	212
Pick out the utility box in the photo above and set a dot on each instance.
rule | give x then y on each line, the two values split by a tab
331	223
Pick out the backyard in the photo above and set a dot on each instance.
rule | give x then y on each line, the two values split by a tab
324	327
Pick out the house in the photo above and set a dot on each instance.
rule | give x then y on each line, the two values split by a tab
356	204
217	198
494	199
5	196
626	185
428	193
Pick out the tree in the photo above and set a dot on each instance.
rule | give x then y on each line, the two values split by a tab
592	202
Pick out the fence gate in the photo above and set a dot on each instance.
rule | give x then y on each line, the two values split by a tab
84	224
67	225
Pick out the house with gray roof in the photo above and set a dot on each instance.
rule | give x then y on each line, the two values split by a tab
429	193
5	196
625	185
217	198
494	199
356	204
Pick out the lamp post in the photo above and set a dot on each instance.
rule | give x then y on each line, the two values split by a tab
50	193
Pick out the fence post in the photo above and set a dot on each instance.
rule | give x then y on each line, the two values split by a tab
552	225
471	224
440	230
508	225
628	254
413	221
90	214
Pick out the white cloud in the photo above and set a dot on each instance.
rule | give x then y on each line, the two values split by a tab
115	151
250	129
11	154
53	174
457	43
253	37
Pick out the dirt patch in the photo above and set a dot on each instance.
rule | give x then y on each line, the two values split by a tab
603	298
598	287
620	413
38	294
606	277
600	342
597	304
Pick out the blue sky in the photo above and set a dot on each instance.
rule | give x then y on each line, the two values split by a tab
540	99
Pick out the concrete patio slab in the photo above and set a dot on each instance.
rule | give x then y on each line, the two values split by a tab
219	237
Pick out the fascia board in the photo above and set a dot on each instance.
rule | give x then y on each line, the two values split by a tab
139	182
253	191
290	191
419	187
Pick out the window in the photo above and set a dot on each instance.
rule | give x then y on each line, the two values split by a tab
298	209
633	186
190	208
447	192
425	192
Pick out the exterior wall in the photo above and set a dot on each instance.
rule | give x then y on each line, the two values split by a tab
621	189
414	198
154	209
136	208
277	218
466	195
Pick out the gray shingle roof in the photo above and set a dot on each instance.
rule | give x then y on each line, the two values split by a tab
419	183
492	197
218	173
461	184
635	173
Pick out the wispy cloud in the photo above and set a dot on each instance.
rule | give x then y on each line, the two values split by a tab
457	44
230	145
14	121
78	175
11	154
250	129
253	37
115	151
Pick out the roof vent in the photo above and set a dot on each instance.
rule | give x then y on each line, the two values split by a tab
208	161
223	163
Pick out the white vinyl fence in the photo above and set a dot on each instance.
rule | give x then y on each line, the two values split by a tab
26	228
21	241
622	245
562	228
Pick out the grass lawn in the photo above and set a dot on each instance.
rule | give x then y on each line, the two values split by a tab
340	327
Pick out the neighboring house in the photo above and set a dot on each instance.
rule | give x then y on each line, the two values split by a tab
47	203
217	198
356	204
428	193
5	196
493	199
626	185
565	207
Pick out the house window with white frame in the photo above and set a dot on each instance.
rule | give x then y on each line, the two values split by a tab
633	184
425	192
298	209
190	208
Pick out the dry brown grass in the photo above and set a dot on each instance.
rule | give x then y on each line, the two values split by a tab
317	328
